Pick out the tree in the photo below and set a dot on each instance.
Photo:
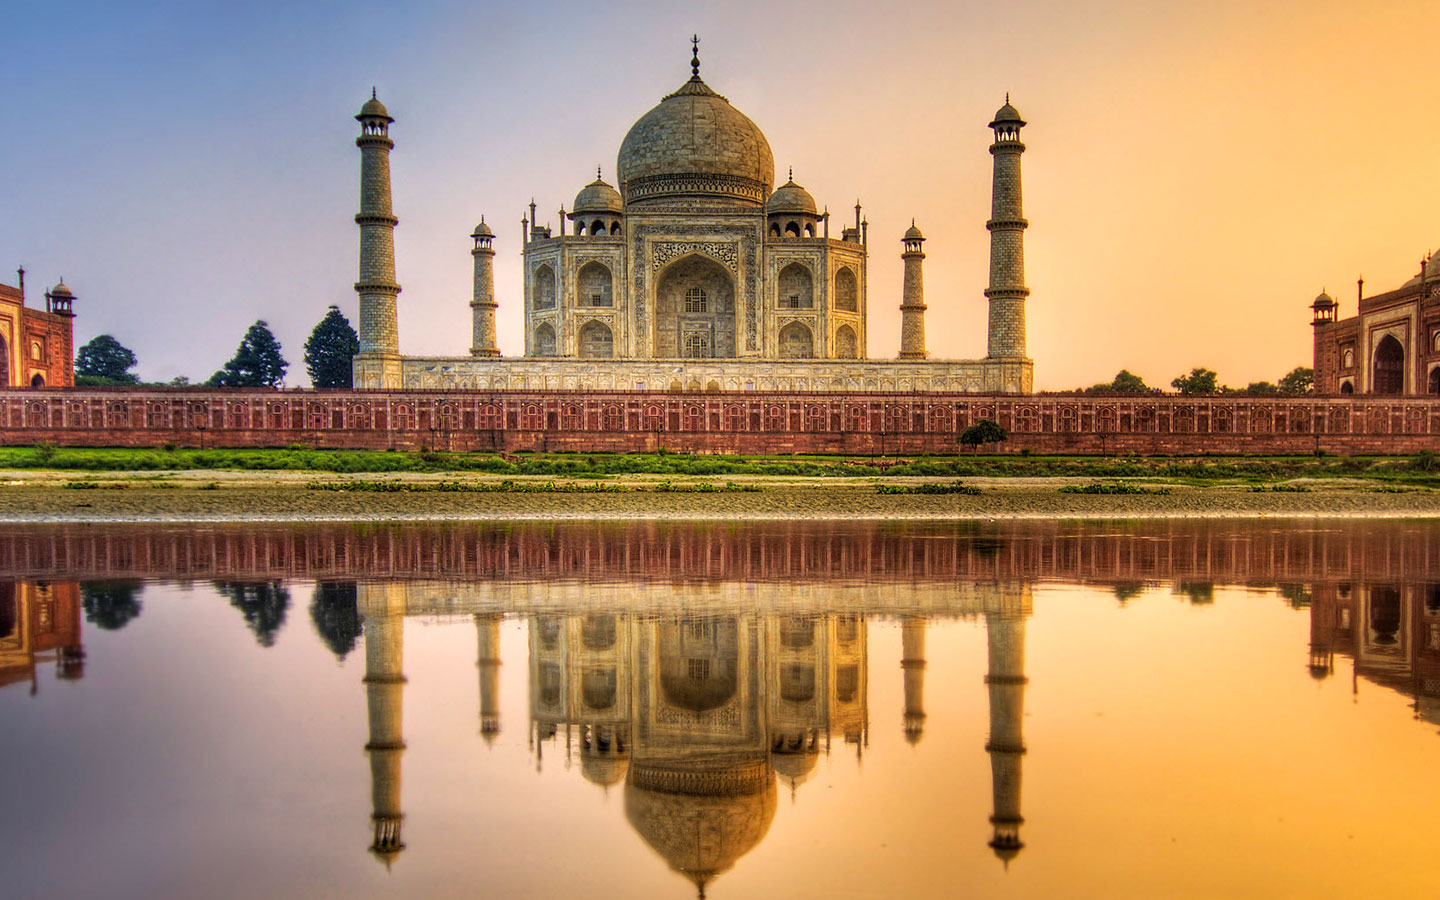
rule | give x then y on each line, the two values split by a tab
106	359
329	350
257	361
1199	381
336	616
1126	382
1261	387
983	432
1300	380
110	604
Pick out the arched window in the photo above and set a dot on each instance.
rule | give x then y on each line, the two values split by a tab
796	287
810	229
544	286
1434	386
847	292
614	228
696	301
38	381
796	342
1389	370
697	346
1347	359
594	285
596	341
775	229
544	340
792	229
37	351
846	346
597	227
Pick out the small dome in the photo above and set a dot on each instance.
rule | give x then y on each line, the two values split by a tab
60	290
482	230
791	198
1007	115
374	109
602	769
1324	300
913	233
598	196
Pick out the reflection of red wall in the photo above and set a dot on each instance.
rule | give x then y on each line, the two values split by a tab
750	422
1225	552
39	620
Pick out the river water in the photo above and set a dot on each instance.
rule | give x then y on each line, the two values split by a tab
1167	709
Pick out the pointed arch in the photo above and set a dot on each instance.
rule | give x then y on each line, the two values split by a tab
847	346
543	282
1388	372
596	341
847	290
796	342
544	339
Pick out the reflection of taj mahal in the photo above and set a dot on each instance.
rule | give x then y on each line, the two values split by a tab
700	718
697	272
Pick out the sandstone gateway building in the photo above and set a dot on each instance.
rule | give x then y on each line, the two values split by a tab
697	274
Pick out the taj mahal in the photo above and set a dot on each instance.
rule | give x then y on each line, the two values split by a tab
696	273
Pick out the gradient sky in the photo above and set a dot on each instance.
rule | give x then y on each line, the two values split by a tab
1196	172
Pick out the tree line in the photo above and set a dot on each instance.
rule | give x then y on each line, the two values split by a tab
259	361
1200	380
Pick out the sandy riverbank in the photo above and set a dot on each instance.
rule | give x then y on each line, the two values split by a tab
278	497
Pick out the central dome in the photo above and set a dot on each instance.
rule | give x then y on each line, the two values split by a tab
694	143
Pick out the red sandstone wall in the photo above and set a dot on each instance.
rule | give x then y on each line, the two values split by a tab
748	422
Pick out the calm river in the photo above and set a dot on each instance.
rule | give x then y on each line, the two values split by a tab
1178	709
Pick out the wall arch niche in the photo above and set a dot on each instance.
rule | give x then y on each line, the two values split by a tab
846	345
699	662
4	362
544	284
594	286
796	288
695	310
544	339
596	341
847	291
796	342
1389	369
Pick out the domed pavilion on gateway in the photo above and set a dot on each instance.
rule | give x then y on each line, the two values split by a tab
696	272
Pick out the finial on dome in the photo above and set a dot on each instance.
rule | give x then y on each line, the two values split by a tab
372	93
695	56
792	173
597	173
1007	96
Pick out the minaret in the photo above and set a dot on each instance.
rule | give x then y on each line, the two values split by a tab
1007	290
383	609
912	301
482	304
912	661
487	633
1005	629
377	365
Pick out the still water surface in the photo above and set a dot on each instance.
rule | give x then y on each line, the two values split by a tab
1196	709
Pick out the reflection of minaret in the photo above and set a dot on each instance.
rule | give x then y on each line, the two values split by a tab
1005	627
1322	631
912	661
487	630
383	607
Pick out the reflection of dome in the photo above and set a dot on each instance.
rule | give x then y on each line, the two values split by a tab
1319	672
603	769
795	768
695	142
701	815
597	196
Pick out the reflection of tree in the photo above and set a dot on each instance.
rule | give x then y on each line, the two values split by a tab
1297	595
1126	591
1198	592
110	604
335	615
263	604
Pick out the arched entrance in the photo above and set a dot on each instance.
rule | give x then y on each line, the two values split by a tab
38	381
695	310
1389	367
1434	386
